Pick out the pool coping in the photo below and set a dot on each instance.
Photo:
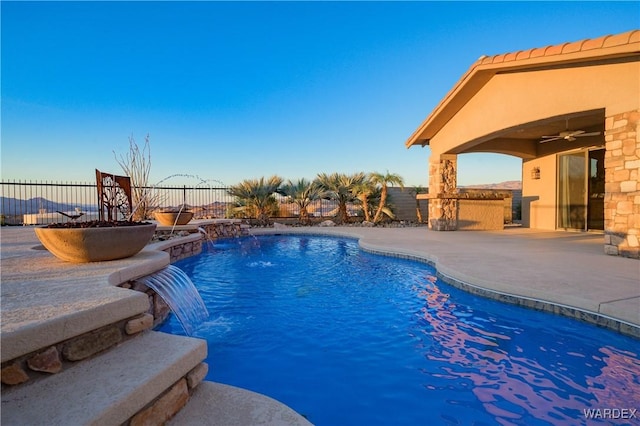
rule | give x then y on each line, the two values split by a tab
575	306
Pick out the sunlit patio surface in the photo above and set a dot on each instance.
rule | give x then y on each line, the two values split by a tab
45	301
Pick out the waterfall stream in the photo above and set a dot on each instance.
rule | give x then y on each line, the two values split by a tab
178	291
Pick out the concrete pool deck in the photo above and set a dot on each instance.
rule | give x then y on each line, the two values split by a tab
566	273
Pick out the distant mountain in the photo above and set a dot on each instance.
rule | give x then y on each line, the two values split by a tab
511	185
14	206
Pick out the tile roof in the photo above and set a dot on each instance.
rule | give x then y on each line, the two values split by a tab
607	41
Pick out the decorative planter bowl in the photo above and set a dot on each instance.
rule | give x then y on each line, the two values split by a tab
173	218
94	244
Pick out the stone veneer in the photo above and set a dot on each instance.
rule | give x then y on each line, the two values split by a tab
452	208
54	359
622	185
171	401
442	184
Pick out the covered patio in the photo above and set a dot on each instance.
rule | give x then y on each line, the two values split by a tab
571	112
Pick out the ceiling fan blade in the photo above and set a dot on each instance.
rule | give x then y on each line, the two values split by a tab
587	134
568	136
550	138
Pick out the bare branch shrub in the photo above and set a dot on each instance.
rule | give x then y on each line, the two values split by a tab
137	165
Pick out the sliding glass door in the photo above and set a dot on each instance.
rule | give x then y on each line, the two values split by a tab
581	190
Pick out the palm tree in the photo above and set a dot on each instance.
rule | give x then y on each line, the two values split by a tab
340	187
418	190
302	193
384	180
255	197
364	192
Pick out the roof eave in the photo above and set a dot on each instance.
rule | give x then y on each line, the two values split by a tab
603	48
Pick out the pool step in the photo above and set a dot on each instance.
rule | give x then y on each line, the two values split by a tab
107	389
216	404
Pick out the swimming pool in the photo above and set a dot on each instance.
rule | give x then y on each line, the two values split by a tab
347	337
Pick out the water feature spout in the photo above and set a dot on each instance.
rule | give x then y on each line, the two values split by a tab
178	291
207	237
147	194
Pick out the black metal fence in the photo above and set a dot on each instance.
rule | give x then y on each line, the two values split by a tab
32	203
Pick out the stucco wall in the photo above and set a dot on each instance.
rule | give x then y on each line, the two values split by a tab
500	105
539	195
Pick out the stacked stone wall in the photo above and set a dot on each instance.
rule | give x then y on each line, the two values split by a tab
230	229
219	228
184	250
622	186
56	358
443	183
171	401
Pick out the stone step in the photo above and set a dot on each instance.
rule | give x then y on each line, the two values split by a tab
218	404
108	389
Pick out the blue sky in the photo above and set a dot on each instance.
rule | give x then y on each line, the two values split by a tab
235	90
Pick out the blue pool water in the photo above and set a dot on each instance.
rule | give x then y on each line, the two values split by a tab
346	337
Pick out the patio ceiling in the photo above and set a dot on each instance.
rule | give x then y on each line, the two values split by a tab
524	141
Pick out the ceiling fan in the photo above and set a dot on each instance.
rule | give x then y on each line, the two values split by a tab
569	135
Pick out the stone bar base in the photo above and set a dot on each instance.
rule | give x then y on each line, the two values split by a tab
466	212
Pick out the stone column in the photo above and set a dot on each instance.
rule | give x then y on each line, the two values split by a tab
622	186
442	182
